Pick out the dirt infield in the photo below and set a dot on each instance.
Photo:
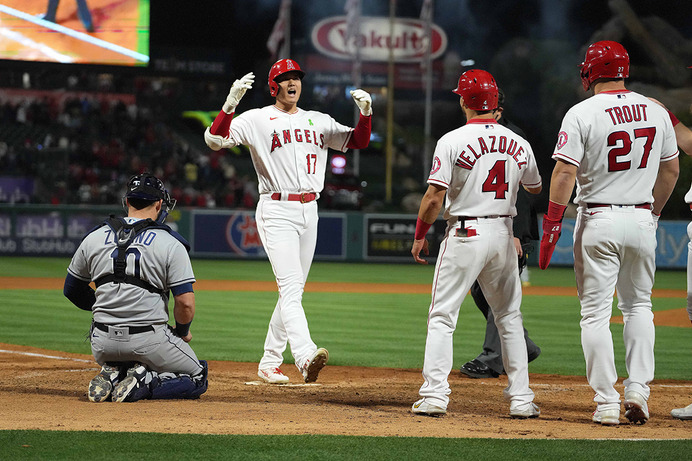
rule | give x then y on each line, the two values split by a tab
41	389
46	390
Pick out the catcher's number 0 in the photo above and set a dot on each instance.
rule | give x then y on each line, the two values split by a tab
145	238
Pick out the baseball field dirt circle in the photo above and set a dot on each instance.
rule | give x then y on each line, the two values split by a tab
46	390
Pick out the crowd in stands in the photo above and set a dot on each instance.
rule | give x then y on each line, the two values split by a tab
80	137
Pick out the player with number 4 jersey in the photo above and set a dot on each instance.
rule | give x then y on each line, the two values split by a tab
289	149
479	167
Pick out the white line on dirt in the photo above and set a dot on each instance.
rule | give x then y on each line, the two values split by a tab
32	354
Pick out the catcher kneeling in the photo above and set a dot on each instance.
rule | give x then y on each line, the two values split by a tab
135	263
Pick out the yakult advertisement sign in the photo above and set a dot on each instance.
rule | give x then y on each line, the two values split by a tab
374	40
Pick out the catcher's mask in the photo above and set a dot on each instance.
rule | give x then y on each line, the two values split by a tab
479	90
281	67
604	59
148	187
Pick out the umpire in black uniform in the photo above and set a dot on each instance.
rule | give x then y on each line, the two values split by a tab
489	363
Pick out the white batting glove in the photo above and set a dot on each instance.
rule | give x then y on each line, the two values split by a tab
238	90
363	101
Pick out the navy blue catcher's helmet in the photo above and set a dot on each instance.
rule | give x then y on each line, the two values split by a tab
146	186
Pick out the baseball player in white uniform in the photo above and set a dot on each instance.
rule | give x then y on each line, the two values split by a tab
134	262
683	135
289	149
480	167
620	146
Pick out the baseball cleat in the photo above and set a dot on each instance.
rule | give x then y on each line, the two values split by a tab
477	369
134	379
421	407
636	409
272	375
533	355
682	413
315	364
527	410
101	385
606	417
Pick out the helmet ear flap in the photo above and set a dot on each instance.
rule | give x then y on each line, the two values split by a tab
273	88
584	74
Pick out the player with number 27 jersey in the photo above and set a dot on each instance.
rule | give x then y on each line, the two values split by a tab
617	139
489	163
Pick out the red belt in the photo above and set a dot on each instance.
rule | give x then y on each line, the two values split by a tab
646	206
305	197
466	218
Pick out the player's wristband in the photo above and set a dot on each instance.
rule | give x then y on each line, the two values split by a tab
555	211
422	228
182	329
221	124
673	118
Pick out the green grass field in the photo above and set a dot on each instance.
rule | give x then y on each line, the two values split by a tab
147	446
356	328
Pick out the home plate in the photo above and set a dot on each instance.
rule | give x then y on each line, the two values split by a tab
259	383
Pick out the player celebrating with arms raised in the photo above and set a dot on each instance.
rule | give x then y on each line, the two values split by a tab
289	149
620	147
480	168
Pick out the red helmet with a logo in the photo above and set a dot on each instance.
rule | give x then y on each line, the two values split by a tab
604	59
479	90
281	67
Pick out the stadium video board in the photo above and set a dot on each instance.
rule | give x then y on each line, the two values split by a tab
76	31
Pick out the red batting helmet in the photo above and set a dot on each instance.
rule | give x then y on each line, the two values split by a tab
281	67
604	59
479	90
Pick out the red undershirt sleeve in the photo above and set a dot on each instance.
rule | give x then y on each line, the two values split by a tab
360	138
222	124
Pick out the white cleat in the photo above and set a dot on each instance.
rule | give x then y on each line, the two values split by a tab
315	364
528	410
421	407
682	413
606	417
272	375
636	409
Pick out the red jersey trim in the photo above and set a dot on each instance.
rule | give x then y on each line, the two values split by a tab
615	92
437	181
566	158
287	113
482	121
670	157
344	147
540	183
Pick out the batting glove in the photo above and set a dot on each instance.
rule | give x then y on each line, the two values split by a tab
552	228
363	101
238	90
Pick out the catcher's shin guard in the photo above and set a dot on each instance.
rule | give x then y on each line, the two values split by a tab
182	386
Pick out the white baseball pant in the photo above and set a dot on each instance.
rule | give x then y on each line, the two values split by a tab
288	231
614	248
490	258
